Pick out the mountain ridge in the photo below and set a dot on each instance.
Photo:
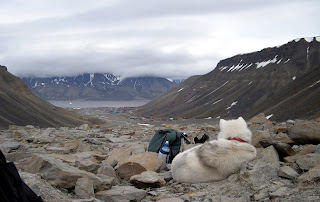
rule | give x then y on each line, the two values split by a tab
244	85
99	86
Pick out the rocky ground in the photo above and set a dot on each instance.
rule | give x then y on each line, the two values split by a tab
109	161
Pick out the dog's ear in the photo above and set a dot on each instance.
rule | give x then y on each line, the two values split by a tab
242	120
222	123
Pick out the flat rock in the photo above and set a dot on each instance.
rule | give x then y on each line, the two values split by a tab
288	172
10	145
44	189
147	179
171	200
56	172
313	175
121	193
305	132
308	161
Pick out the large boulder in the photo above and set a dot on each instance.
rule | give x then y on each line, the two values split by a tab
139	163
305	132
56	172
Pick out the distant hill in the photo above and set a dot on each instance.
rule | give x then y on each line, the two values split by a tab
283	82
19	106
96	86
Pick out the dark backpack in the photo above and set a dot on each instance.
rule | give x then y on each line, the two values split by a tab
12	188
161	136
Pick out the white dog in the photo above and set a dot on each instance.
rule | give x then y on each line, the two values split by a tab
217	159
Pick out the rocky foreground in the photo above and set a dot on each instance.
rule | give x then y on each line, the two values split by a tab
109	162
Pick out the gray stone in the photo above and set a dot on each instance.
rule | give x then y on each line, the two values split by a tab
171	200
105	182
46	191
317	149
271	156
84	188
10	145
308	161
87	200
283	191
56	172
288	172
107	169
121	193
305	132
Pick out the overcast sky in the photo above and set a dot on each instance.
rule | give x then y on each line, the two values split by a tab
167	38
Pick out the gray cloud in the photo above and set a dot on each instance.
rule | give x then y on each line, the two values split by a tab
173	39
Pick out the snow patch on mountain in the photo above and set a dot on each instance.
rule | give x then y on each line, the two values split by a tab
265	63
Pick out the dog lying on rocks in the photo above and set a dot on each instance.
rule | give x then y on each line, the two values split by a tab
217	159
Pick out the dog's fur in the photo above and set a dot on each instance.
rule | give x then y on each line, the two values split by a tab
217	159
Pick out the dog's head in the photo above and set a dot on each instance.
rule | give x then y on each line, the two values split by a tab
236	128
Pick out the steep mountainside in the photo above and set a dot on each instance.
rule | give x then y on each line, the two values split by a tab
283	82
97	86
19	106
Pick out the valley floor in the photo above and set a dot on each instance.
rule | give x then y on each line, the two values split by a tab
86	152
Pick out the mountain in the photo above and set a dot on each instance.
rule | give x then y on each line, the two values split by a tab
19	106
283	82
96	86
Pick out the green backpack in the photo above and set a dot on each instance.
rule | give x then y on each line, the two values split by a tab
161	136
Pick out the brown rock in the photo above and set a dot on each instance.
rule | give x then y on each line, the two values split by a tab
284	139
139	163
126	170
308	149
281	129
120	155
259	119
106	130
308	161
305	132
127	132
258	135
148	160
147	179
72	145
